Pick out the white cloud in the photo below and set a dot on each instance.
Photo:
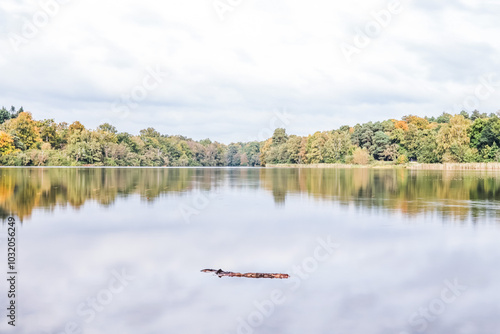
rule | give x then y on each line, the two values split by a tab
263	56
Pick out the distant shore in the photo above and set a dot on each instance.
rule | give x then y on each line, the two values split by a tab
416	166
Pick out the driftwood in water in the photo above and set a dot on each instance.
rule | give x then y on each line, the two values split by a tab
221	273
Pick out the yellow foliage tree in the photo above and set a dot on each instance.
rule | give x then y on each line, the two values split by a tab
76	126
264	151
360	156
453	140
24	128
419	122
454	133
6	143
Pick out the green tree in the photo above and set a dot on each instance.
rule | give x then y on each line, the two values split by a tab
233	155
252	152
427	150
4	115
85	148
337	146
106	127
444	118
476	133
149	133
62	134
48	132
279	137
294	146
380	143
491	153
490	132
391	152
476	114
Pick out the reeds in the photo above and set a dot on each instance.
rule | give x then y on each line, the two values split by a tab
457	166
418	166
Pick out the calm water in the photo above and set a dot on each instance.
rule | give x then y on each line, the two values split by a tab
119	250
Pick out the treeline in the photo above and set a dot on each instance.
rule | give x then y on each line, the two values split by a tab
459	138
465	137
28	142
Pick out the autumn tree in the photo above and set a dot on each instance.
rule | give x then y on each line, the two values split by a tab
25	129
460	138
360	156
315	147
265	152
6	144
76	126
453	140
400	125
419	122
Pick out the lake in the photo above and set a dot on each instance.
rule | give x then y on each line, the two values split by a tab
119	250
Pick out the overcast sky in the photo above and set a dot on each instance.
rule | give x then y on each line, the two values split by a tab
232	70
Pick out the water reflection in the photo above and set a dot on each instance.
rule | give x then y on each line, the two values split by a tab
386	268
455	194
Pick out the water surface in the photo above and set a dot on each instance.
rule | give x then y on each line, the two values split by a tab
401	239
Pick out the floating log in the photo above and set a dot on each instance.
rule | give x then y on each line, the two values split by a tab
221	273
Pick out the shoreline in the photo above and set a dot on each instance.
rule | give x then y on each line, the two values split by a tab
485	166
414	166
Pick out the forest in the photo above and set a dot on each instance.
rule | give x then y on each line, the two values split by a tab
461	138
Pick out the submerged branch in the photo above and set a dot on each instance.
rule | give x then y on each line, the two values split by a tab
221	273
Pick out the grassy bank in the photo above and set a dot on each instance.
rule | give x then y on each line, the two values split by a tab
416	166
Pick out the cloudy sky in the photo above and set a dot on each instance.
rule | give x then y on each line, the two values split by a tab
233	70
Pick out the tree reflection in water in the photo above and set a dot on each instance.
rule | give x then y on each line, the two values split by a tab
456	194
